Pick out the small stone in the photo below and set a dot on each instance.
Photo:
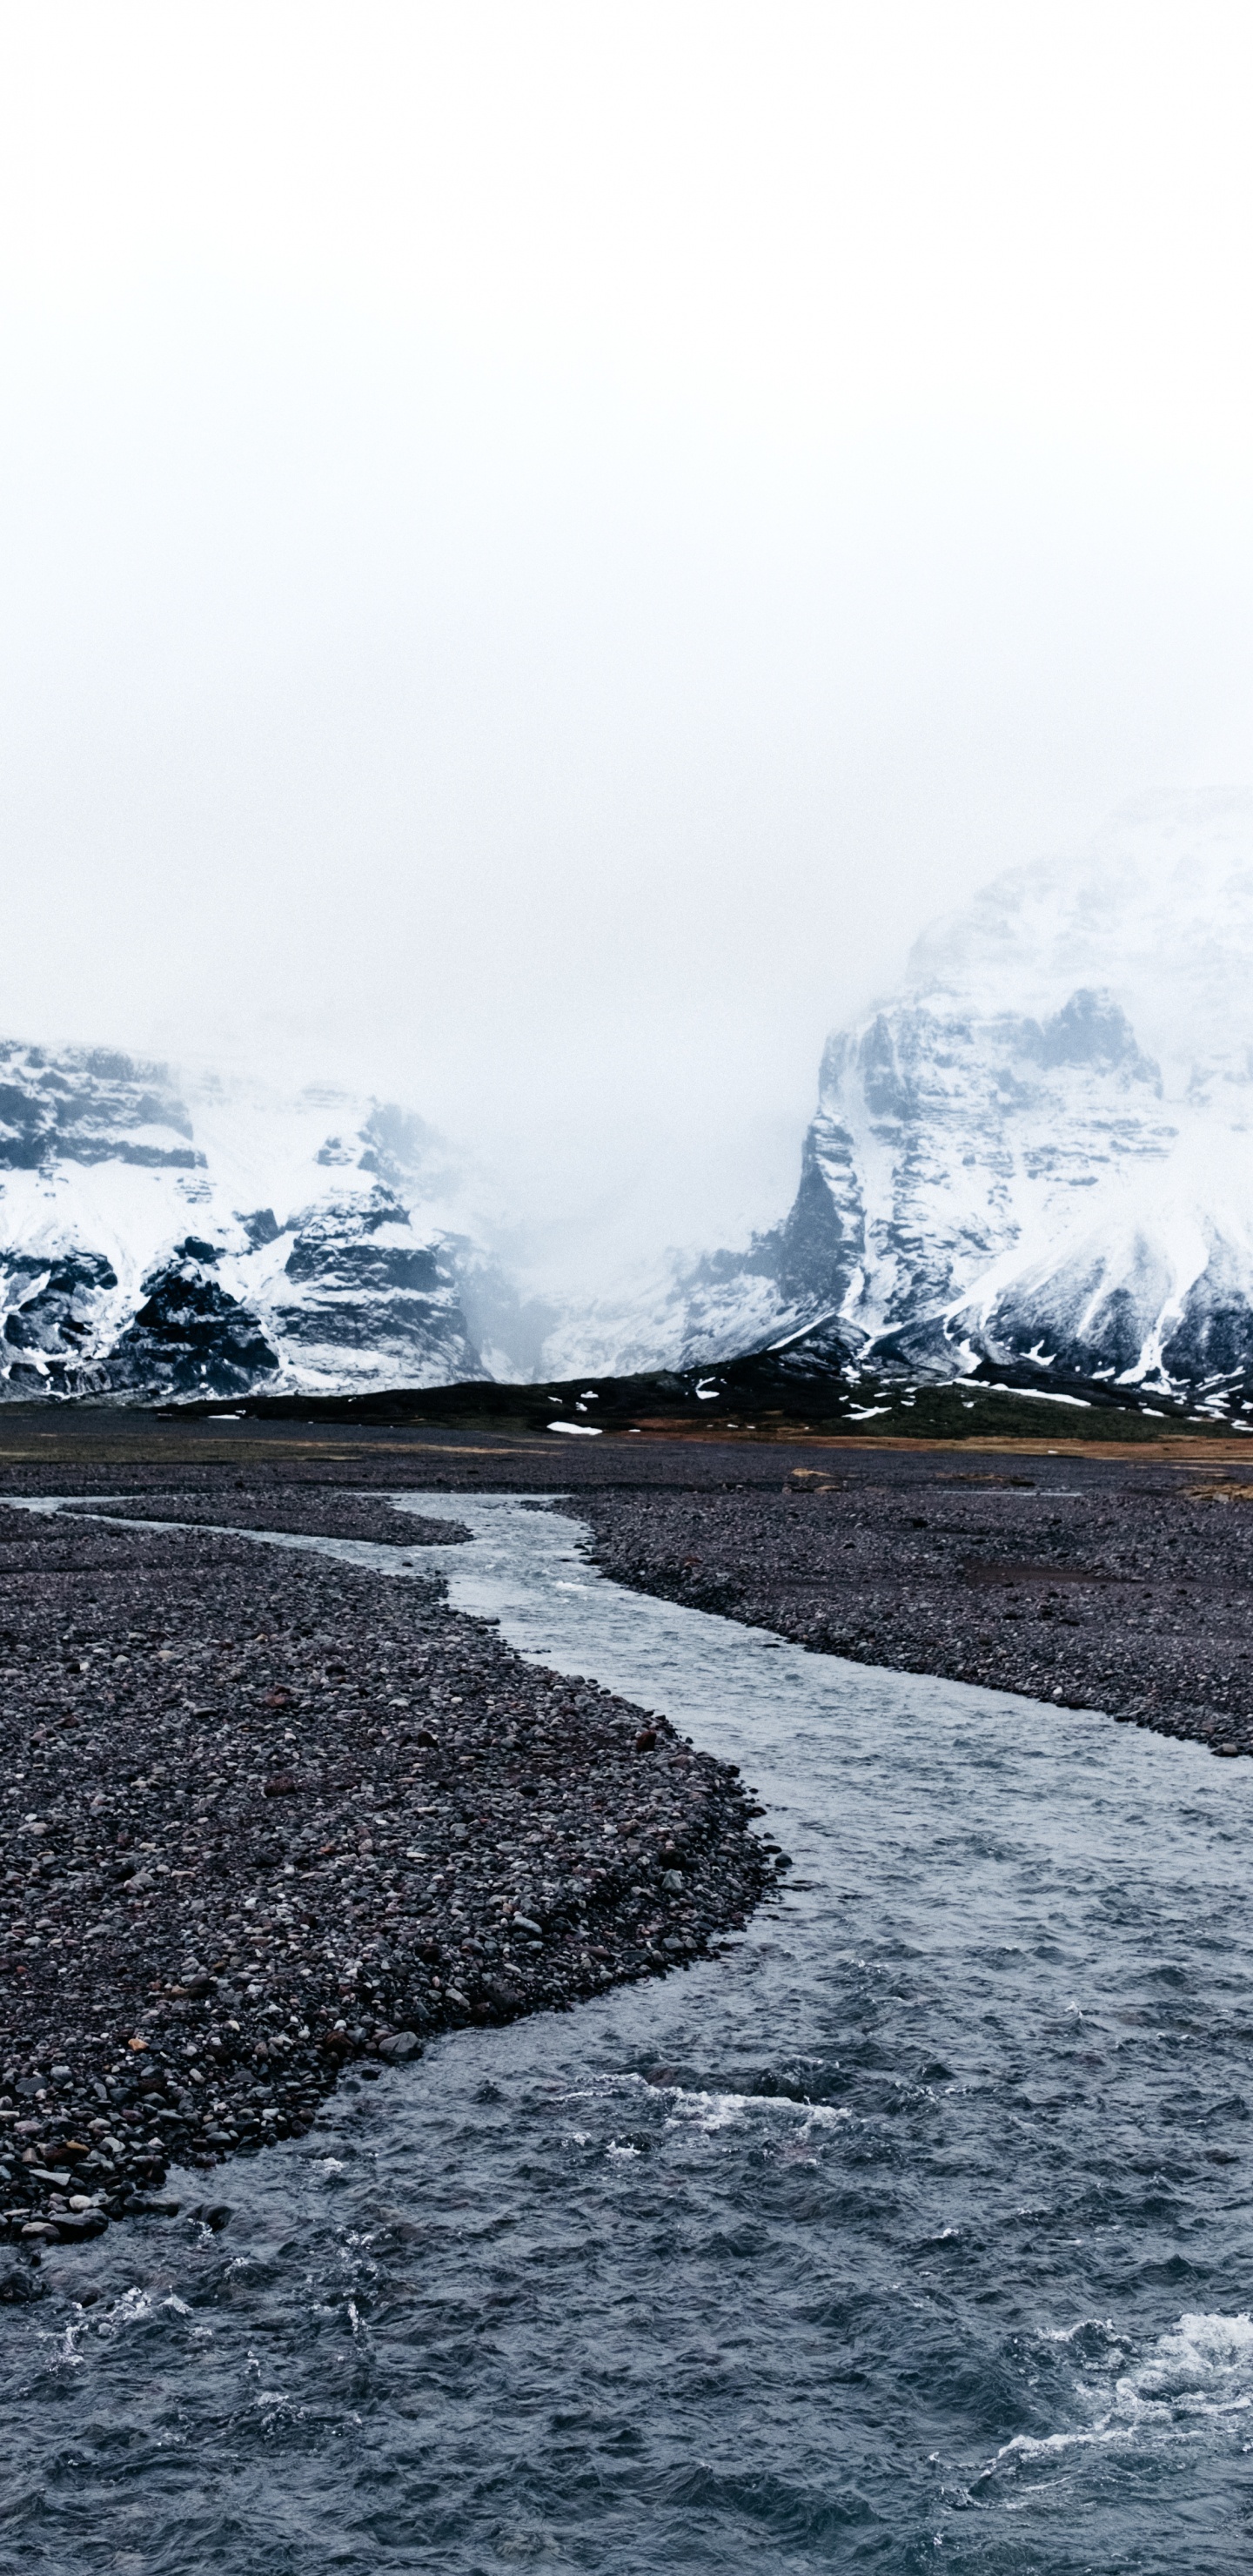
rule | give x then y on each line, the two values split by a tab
17	2285
75	2227
672	1881
402	2045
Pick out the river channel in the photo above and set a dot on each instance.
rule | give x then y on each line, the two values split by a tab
913	2231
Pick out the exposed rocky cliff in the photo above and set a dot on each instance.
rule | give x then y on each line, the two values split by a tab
162	1239
1039	1154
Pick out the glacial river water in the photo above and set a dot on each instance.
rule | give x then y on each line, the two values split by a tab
914	2233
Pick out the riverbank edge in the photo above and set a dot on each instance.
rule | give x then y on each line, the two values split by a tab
1166	1709
731	1874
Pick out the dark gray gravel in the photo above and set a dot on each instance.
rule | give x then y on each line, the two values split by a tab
303	1515
264	1812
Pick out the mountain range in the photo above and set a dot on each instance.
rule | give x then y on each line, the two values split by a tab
1036	1156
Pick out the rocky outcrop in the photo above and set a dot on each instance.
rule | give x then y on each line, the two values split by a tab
52	1312
189	1337
357	1281
314	1256
87	1105
944	1140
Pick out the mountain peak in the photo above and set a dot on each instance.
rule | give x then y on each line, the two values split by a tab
1040	1148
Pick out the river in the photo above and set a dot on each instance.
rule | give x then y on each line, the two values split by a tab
910	2232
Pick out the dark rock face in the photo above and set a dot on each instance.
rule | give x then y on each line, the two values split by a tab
90	1105
132	1268
55	1308
261	1227
1091	1029
189	1337
823	1240
346	1248
369	1287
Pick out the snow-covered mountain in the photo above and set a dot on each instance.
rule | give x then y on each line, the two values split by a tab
1041	1149
211	1236
1038	1152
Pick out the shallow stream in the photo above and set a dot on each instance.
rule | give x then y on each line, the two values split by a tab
911	2233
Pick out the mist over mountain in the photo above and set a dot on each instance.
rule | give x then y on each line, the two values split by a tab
1038	1152
1041	1148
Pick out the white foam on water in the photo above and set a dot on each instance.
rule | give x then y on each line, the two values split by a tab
1199	2372
712	2111
1207	2359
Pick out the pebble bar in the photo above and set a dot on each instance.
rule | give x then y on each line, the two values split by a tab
264	1812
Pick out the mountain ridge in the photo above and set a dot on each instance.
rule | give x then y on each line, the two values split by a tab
1035	1157
1039	1153
141	1255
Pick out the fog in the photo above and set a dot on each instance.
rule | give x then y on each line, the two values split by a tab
542	544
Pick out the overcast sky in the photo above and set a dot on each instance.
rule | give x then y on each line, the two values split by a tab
541	543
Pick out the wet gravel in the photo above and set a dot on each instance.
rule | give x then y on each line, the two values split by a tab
300	1515
265	1812
1087	1583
